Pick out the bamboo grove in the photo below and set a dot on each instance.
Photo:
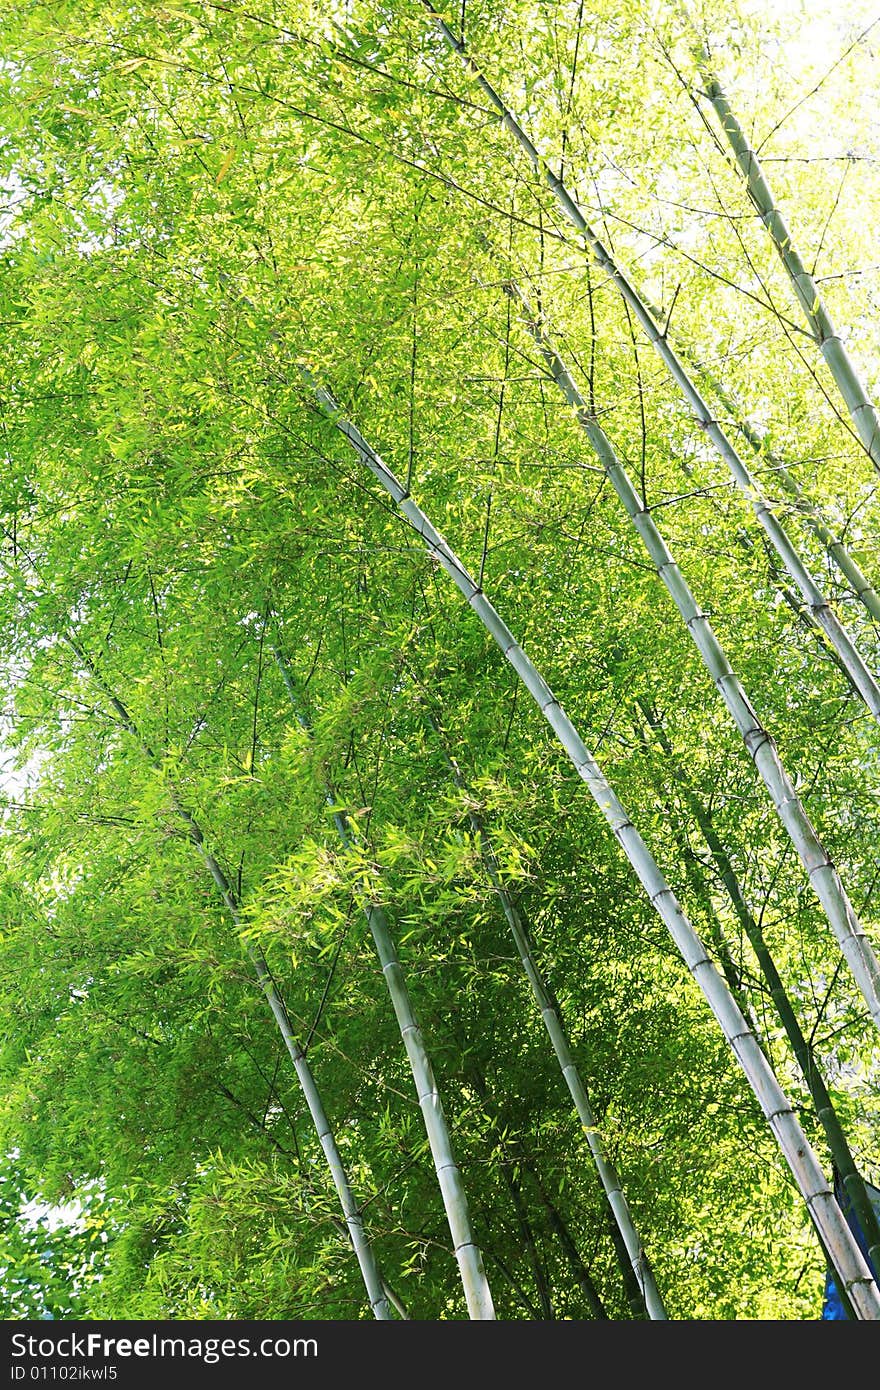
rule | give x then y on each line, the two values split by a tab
438	620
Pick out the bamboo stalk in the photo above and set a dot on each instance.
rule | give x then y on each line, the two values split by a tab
538	1271
826	336
826	1113
467	1252
579	1269
831	1227
338	1225
581	1273
697	888
551	1016
389	1291
372	1280
823	877
862	678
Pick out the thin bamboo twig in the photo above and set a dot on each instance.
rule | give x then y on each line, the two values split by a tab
833	1232
827	338
863	679
395	1299
551	1016
824	879
467	1252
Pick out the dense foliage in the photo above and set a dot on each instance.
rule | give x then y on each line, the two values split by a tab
201	201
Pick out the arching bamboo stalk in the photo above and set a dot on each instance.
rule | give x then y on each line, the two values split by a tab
470	1261
826	1113
363	1250
827	338
551	1016
833	1232
389	1291
823	876
862	678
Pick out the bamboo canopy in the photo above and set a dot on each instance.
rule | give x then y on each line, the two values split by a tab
862	677
308	311
354	1224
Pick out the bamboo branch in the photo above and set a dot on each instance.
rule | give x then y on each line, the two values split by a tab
522	1216
525	1226
724	954
579	1269
831	1227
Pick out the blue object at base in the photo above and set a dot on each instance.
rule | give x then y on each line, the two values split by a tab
832	1307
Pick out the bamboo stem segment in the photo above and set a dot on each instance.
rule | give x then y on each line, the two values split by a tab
838	1145
373	1281
553	1022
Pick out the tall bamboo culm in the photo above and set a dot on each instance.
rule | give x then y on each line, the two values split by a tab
806	508
862	678
834	1234
467	1253
551	1016
823	876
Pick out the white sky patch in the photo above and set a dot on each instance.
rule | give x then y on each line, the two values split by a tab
51	1217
